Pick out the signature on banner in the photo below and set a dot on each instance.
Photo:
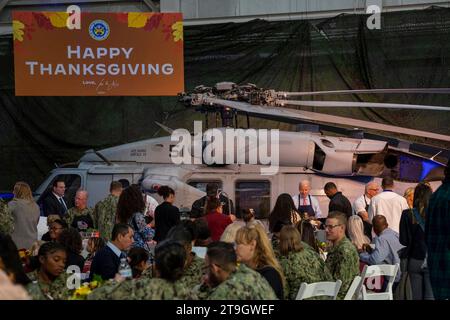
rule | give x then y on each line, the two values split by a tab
103	86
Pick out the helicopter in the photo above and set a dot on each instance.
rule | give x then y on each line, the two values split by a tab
351	157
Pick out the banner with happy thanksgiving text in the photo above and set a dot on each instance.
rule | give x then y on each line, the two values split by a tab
112	54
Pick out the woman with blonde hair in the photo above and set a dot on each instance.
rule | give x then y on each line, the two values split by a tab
355	231
26	214
409	196
253	248
300	263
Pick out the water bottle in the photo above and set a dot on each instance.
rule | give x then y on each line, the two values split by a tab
125	269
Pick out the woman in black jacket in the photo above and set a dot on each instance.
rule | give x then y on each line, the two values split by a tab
412	236
166	214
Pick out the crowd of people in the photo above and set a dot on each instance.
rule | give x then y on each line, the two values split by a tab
139	253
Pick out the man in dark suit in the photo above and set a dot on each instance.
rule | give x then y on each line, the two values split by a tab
338	202
54	202
107	260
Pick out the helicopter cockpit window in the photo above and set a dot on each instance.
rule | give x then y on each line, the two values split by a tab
72	182
201	184
319	158
255	195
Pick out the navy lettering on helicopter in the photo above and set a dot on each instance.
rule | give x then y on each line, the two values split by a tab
138	153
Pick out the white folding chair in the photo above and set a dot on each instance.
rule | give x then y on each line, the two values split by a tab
386	270
350	295
317	289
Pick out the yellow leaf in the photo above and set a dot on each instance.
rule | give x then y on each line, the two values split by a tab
177	33
57	19
137	19
18	30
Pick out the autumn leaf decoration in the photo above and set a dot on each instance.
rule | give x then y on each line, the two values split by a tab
18	30
153	22
21	29
57	19
177	33
143	20
137	19
42	21
174	30
45	20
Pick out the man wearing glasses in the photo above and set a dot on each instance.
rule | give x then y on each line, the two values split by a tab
342	259
361	206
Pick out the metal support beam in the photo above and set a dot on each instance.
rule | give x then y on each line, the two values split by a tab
154	7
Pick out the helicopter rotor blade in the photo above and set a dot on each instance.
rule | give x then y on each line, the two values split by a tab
164	127
360	91
349	104
423	148
320	117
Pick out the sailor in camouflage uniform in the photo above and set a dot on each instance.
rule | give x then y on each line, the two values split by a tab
56	290
144	289
342	259
105	291
226	281
184	233
193	271
80	213
104	214
194	267
6	219
49	282
170	258
299	261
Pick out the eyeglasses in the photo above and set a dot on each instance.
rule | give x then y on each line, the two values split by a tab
330	226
